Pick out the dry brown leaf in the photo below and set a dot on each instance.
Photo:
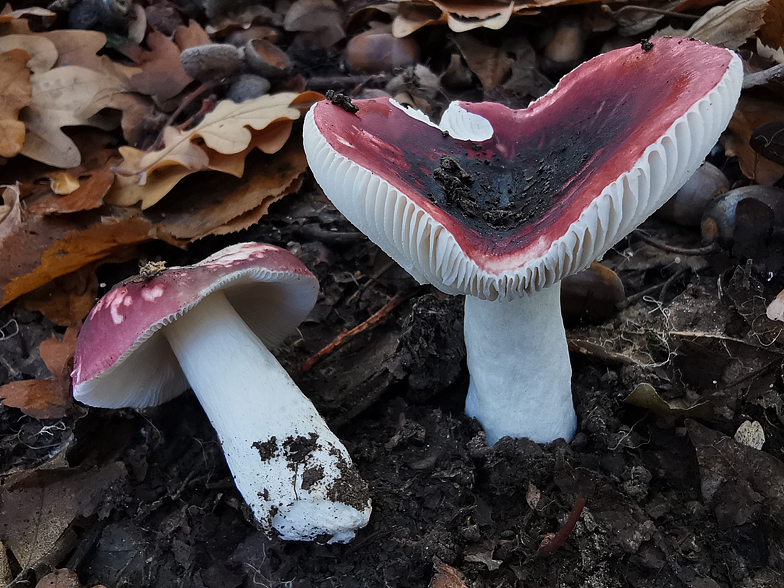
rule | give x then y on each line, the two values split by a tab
750	114
63	578
446	576
37	506
217	200
223	130
412	16
10	214
42	52
726	26
126	190
771	33
490	64
8	14
63	183
51	398
162	75
191	36
15	94
268	140
45	247
58	98
65	300
463	17
77	47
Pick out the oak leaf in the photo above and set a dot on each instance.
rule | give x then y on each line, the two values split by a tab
15	94
224	130
51	398
162	75
59	97
42	52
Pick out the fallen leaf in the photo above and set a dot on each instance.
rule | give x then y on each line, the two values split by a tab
50	398
645	396
771	33
77	47
212	201
412	16
42	52
10	214
126	190
490	64
62	183
162	75
729	467
191	36
446	576
750	433
63	578
36	507
726	26
223	130
751	113
268	140
8	14
320	22
65	300
45	247
58	98
462	16
15	94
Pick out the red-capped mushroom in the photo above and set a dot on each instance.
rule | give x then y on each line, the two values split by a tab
208	326
501	204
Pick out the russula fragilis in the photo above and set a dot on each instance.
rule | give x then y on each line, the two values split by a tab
207	326
501	204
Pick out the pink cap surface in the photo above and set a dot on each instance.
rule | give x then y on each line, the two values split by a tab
555	158
122	360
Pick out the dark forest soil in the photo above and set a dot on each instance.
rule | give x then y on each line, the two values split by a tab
671	501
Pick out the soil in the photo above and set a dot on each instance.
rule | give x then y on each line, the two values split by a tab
663	507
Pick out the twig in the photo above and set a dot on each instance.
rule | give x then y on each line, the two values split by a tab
346	335
635	8
186	101
549	546
643	293
761	78
712	248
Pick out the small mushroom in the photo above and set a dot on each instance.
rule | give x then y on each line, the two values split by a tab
502	204
208	326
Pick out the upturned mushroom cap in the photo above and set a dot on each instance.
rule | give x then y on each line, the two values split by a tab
122	359
497	202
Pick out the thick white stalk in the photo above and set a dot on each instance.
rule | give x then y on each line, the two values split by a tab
290	468
519	365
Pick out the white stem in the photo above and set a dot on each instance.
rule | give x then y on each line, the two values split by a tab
293	472
518	360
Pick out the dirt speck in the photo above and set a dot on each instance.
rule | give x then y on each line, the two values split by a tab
267	449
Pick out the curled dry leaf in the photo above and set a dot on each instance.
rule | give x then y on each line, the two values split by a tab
162	75
10	214
191	36
68	299
51	398
727	26
646	396
446	576
15	94
42	52
45	247
751	113
8	14
37	506
217	204
59	97
224	130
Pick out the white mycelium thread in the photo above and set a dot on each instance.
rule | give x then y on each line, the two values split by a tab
431	254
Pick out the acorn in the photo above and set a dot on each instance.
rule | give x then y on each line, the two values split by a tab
211	62
266	59
375	52
744	212
591	296
688	204
246	87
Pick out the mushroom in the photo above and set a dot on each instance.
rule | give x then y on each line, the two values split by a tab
501	204
208	326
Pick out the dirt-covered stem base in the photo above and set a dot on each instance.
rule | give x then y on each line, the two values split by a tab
289	467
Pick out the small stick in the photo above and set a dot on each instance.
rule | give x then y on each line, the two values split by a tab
712	248
346	335
760	78
549	546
